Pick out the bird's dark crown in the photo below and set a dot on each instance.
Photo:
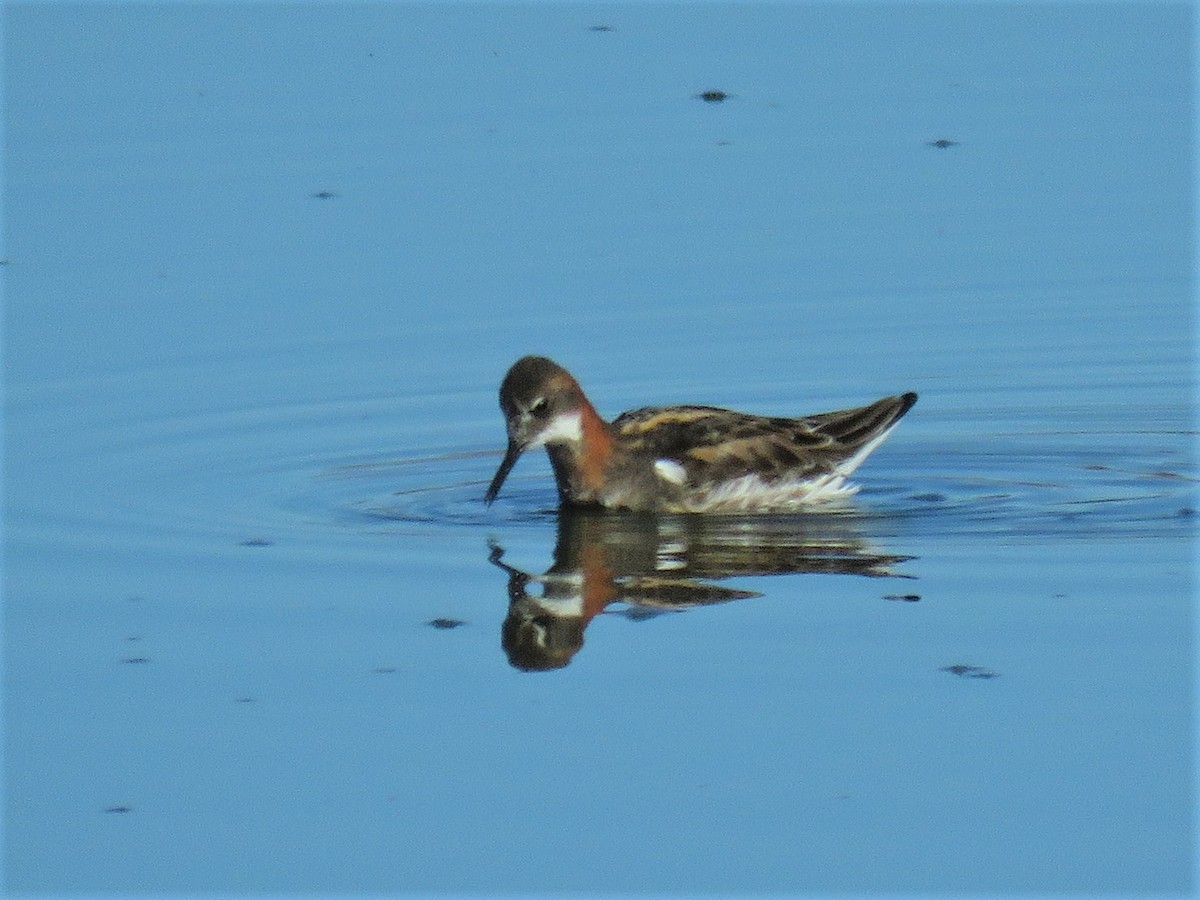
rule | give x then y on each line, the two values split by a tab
532	379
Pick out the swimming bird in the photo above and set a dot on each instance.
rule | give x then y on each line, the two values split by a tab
683	459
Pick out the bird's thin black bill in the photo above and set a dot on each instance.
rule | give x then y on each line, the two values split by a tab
506	464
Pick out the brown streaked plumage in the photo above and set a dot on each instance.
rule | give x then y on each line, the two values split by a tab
684	458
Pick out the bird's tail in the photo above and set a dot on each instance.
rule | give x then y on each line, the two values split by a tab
859	431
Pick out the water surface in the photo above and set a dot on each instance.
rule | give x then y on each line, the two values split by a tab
265	267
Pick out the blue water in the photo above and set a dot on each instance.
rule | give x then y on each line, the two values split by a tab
264	268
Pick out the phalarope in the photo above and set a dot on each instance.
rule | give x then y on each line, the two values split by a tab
684	458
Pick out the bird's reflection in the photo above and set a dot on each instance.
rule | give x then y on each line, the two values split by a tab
652	564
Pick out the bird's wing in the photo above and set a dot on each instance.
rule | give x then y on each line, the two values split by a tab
713	444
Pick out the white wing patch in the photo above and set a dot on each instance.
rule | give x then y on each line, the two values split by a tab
669	470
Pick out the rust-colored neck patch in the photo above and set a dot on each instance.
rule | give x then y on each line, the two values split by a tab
597	445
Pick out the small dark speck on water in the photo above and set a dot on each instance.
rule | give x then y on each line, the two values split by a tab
930	498
445	623
600	28
942	143
118	809
965	671
1186	511
713	96
324	195
135	660
243	699
907	598
256	542
384	670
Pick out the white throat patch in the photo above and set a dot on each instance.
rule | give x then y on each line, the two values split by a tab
564	428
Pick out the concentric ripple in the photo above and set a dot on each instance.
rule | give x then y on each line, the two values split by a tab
268	471
444	488
1123	485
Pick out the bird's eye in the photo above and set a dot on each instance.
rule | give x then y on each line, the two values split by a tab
539	407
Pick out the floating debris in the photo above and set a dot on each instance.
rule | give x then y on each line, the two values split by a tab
942	143
118	809
965	671
713	96
1168	474
324	195
445	623
256	542
600	28
135	660
907	598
